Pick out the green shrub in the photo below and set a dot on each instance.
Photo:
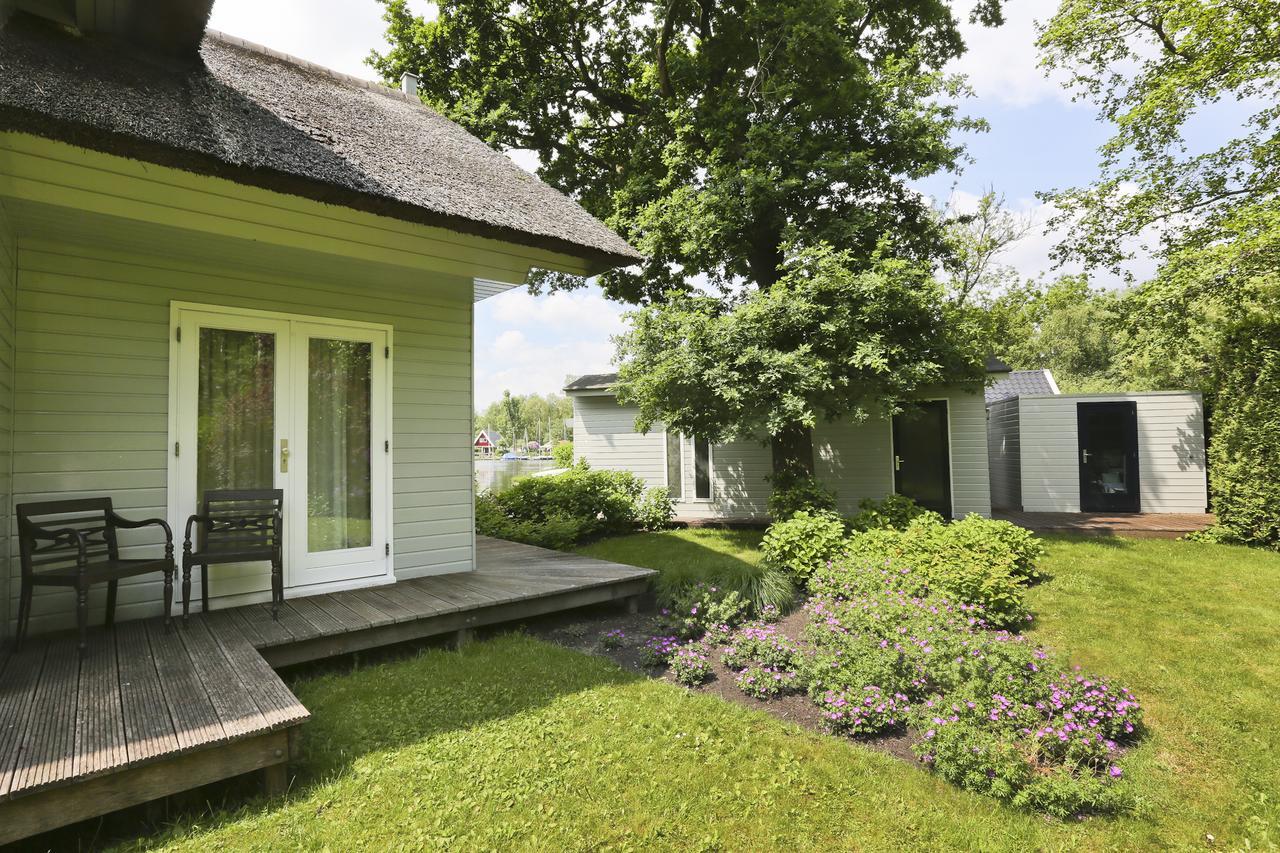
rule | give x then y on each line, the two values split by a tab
791	495
1244	453
655	509
975	561
894	512
561	510
803	543
690	664
562	454
692	611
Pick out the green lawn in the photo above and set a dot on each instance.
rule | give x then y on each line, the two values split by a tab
515	744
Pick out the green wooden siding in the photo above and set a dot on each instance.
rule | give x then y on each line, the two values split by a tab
91	388
8	288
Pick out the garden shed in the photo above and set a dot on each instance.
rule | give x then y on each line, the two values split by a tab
1105	453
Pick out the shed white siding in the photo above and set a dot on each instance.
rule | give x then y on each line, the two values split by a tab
1171	451
1004	454
855	459
91	396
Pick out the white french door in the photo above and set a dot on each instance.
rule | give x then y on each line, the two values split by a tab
264	400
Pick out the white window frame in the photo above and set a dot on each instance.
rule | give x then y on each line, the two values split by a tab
176	510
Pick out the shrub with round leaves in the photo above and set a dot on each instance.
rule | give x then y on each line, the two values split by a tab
803	544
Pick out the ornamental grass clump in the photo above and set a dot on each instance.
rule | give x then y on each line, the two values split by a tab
691	664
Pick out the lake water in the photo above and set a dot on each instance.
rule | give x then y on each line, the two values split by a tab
497	474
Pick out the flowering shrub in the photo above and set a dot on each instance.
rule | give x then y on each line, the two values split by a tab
690	664
803	542
657	650
613	639
766	682
694	610
760	643
994	713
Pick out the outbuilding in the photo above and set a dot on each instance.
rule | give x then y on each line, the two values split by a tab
1103	453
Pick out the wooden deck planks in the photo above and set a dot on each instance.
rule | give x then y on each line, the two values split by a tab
237	712
278	705
149	731
48	744
17	692
396	612
195	720
364	609
100	742
258	625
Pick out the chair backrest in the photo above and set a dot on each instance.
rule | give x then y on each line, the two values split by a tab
91	516
242	521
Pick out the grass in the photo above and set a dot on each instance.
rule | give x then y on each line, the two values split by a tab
726	558
516	744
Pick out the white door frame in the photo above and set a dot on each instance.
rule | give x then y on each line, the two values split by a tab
181	505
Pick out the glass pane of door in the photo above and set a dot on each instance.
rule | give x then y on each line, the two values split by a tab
235	410
339	429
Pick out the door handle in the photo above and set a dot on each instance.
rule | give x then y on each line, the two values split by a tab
1084	454
897	463
284	456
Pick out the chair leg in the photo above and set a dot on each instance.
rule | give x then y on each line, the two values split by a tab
82	617
111	603
204	587
168	598
277	587
186	591
24	613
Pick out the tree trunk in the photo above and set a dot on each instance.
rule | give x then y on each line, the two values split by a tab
792	453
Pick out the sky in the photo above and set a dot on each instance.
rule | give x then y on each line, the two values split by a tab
1039	140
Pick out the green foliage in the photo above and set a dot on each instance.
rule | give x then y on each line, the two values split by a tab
677	127
1244	455
894	512
803	543
828	340
562	454
690	664
792	494
561	510
975	561
689	612
655	509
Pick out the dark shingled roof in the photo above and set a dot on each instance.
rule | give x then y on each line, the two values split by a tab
1021	383
259	117
592	382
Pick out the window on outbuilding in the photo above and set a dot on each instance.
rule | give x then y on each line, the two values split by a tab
701	469
675	466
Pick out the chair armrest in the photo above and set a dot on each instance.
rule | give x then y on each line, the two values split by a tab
120	521
186	534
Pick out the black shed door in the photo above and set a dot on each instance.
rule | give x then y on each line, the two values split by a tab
1108	436
921	458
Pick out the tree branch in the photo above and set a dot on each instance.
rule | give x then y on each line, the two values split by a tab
664	44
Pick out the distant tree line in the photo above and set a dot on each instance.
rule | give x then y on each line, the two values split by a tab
521	418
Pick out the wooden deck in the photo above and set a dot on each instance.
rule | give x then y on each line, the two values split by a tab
150	712
1139	525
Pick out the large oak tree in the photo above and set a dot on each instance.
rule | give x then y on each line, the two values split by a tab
730	142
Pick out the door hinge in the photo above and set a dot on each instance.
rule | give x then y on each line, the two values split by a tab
386	446
386	549
386	352
177	334
177	448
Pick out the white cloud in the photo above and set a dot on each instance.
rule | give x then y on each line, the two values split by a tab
531	368
1002	63
1030	256
585	311
337	34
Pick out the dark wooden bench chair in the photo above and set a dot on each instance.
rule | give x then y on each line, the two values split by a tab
235	526
73	543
